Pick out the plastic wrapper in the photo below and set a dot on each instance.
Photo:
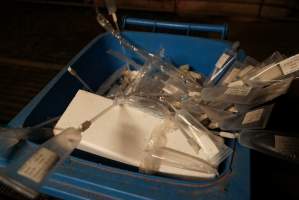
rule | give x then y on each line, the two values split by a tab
277	144
246	94
157	154
27	171
148	105
253	119
250	64
274	58
164	83
198	77
154	68
196	134
200	138
238	70
217	115
252	67
276	71
224	62
232	74
109	28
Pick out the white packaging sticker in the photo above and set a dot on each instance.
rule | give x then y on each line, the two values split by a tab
231	76
222	60
238	91
253	116
290	65
38	166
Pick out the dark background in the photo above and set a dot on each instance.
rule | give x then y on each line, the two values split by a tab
38	38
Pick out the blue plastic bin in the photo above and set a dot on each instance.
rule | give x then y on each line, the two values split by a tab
86	176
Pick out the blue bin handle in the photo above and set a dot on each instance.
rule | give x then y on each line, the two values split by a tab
222	29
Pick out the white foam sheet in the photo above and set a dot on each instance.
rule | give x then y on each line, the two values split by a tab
121	133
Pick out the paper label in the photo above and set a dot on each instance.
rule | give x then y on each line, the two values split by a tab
231	76
290	65
238	91
222	60
38	166
253	116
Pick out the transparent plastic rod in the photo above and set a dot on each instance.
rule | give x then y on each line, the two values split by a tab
75	74
109	28
197	135
172	157
111	81
124	59
156	154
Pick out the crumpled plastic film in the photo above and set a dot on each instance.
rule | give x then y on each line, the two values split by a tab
247	94
277	144
156	154
165	75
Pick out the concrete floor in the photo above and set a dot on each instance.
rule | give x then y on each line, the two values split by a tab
52	35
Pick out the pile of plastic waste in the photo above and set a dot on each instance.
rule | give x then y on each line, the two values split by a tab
236	101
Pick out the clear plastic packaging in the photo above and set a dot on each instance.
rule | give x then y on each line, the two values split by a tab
200	138
274	58
125	59
27	171
145	104
224	62
217	115
238	70
246	94
109	28
232	74
171	157
156	154
196	134
160	81
153	64
250	64
253	119
276	71
281	145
